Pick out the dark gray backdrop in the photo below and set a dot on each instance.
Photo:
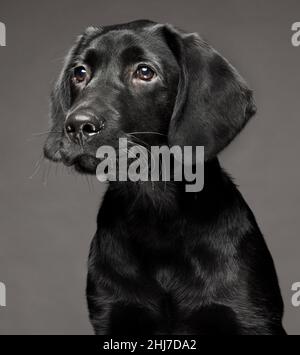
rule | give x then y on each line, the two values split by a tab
46	230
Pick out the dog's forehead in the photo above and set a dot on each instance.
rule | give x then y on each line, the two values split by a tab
115	42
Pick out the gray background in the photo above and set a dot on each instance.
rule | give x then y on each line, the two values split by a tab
46	229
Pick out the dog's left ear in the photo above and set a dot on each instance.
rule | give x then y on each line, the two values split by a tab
213	101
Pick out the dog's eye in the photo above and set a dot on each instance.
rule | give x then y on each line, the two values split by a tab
145	73
80	74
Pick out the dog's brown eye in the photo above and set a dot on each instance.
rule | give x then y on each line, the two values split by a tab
80	74
145	73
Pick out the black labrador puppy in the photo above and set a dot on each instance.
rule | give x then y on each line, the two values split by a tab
164	261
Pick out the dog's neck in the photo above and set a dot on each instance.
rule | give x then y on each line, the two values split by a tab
166	198
156	215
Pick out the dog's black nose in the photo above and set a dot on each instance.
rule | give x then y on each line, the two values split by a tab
81	126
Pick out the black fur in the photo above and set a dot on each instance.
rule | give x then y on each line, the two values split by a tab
164	261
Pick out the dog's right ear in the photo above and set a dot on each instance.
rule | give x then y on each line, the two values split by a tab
61	93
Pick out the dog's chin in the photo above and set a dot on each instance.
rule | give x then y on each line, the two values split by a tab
86	164
83	164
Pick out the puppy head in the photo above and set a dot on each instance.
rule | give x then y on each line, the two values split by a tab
150	83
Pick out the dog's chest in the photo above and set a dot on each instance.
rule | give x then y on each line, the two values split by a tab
185	288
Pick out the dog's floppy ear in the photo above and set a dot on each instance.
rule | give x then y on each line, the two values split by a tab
213	101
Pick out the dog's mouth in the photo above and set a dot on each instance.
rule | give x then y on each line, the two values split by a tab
83	163
83	158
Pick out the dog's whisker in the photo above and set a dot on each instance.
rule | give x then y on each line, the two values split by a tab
37	169
139	145
56	169
138	139
47	132
37	166
58	59
157	133
87	181
42	135
92	183
46	175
